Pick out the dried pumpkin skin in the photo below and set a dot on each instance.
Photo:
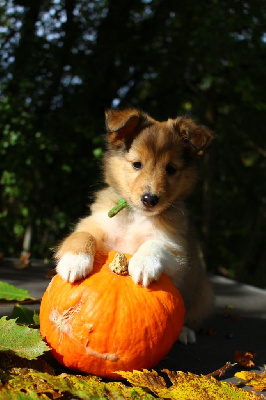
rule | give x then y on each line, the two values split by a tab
107	323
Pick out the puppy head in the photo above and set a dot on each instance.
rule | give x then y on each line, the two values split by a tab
152	164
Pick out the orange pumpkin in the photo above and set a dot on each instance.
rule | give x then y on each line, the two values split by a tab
106	323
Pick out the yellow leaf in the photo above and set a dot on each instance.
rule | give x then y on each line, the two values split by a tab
255	379
146	379
191	386
186	386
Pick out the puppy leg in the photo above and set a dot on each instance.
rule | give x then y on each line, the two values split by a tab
198	303
76	256
187	335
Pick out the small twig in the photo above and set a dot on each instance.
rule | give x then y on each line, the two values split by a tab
32	326
31	301
121	204
221	371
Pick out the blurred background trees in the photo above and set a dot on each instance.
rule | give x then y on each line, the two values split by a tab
64	62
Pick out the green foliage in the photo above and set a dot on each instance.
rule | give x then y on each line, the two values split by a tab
63	63
17	394
11	292
82	387
21	340
25	316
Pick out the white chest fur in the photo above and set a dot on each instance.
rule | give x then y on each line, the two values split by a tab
125	232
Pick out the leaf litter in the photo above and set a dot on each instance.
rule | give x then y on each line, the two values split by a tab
35	380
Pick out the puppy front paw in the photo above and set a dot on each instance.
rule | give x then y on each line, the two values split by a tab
73	267
145	268
187	336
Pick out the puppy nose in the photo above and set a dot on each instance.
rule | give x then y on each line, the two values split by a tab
150	200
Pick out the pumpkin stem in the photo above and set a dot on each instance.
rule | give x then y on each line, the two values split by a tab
119	265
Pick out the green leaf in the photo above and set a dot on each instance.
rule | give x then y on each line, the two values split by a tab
83	387
17	394
10	292
21	340
25	316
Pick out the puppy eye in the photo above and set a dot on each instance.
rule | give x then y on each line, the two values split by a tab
170	169
137	165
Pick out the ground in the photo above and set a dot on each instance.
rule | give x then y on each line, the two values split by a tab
238	322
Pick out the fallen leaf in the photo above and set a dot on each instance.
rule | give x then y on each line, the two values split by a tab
228	311
255	379
21	340
186	386
244	358
207	331
25	316
146	379
10	292
17	394
8	361
56	387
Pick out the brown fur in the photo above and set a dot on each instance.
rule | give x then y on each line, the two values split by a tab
160	234
78	242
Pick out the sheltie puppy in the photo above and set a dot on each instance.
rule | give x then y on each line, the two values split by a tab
151	166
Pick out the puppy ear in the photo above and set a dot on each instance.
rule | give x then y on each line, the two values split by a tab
123	124
197	138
